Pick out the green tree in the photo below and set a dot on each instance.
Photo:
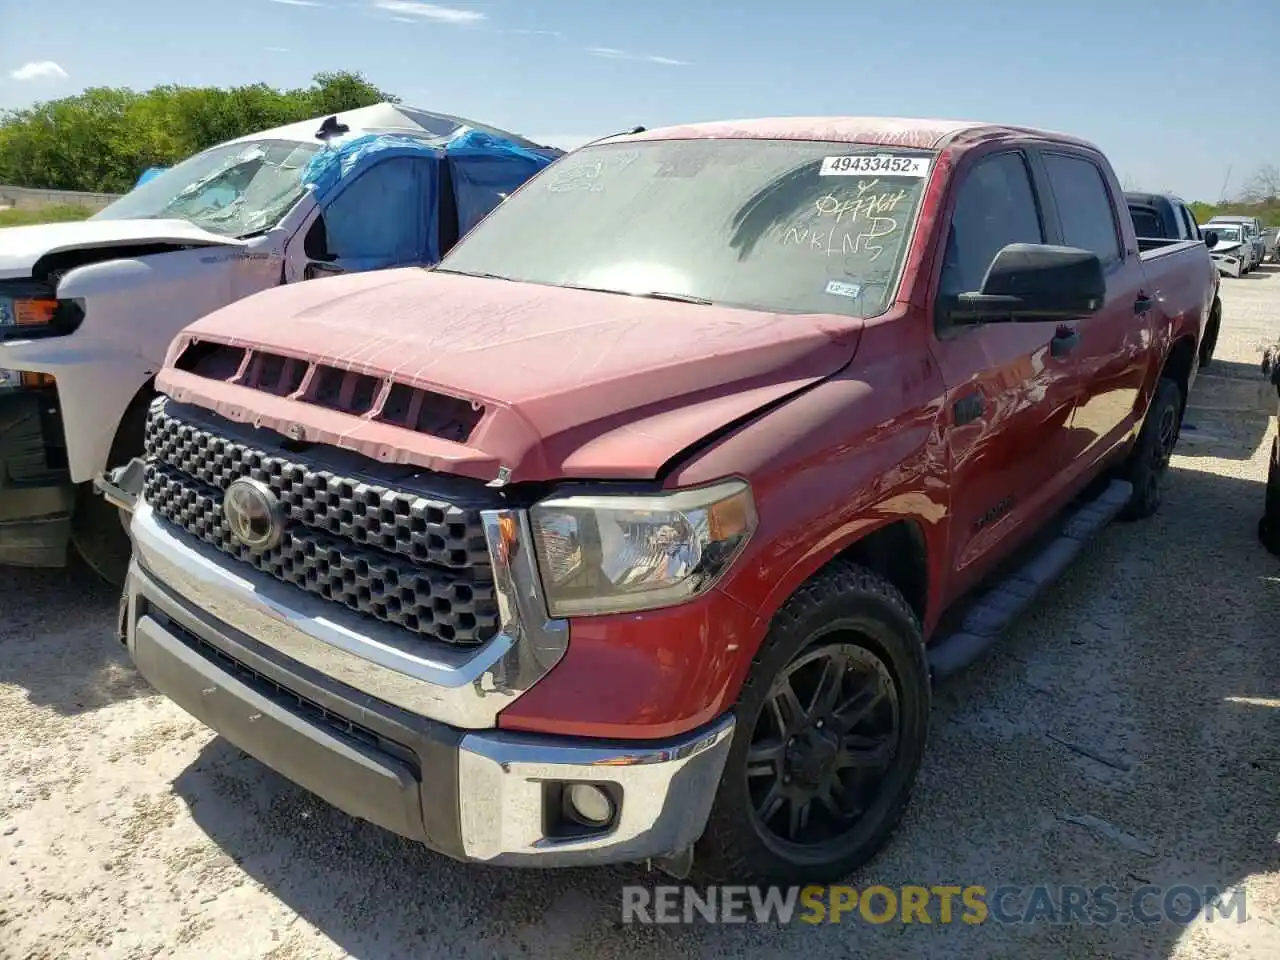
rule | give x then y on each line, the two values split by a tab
103	138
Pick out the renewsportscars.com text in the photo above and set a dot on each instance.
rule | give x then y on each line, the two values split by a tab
939	903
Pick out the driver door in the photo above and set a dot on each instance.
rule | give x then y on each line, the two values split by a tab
384	216
1009	399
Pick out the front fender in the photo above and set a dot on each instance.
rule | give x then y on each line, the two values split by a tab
852	454
133	309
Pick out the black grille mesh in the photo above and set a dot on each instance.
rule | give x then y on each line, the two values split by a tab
409	560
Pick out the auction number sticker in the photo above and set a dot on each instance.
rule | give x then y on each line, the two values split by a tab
885	164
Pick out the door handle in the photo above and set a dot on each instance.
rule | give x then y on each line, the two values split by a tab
1142	304
1063	342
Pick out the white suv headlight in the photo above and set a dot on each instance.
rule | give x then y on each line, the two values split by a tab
622	553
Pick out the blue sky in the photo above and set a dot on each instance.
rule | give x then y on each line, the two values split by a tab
1174	91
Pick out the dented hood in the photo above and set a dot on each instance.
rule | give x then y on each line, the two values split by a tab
21	247
572	383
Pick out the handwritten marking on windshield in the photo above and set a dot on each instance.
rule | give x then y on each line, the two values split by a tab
865	210
863	203
586	176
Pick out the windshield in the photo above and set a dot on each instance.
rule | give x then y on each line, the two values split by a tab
232	190
781	226
1225	231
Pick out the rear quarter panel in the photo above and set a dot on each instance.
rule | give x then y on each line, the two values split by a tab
1183	281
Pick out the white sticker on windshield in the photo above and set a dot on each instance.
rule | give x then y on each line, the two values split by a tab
884	164
842	289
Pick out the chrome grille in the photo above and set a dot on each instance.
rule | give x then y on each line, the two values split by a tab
414	561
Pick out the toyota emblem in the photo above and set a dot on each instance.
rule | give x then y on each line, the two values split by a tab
254	514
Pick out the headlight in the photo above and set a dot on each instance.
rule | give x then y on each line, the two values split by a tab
12	379
23	317
615	554
26	312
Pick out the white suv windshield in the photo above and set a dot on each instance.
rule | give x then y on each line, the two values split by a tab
785	226
233	190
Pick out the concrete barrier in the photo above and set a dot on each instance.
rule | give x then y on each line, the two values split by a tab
29	199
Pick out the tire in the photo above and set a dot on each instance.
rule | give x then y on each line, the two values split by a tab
1269	523
857	624
1148	463
100	530
100	534
1210	341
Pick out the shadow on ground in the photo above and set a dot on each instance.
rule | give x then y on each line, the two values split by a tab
57	639
1119	736
1228	412
1263	271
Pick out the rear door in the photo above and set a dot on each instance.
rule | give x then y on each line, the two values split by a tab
1111	355
1008	400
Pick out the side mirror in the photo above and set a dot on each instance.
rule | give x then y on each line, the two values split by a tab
313	271
315	245
1210	238
1029	282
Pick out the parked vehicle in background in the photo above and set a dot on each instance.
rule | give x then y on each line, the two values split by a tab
1232	254
1252	233
1160	219
1271	238
628	530
88	309
1269	522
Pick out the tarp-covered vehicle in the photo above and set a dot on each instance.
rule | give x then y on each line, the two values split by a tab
88	309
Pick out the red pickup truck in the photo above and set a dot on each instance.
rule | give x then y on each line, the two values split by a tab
642	525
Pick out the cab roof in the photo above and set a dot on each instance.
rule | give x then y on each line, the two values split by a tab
876	131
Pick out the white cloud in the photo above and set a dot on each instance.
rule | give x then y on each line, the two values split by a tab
429	11
612	53
299	3
536	33
39	70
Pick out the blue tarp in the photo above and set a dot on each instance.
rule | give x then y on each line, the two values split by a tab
485	169
150	174
376	220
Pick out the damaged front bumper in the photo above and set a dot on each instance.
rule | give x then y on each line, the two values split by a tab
122	486
1232	266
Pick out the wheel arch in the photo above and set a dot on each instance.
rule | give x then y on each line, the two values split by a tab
896	548
1180	365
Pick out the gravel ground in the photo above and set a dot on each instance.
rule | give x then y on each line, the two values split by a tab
1127	732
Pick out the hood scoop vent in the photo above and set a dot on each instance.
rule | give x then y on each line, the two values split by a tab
358	393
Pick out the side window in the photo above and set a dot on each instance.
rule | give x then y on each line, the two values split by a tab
1179	222
995	207
1193	231
1146	222
380	215
1084	206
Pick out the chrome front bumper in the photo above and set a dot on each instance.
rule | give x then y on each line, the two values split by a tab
360	716
461	686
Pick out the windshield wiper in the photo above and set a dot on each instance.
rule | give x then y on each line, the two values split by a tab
645	295
464	273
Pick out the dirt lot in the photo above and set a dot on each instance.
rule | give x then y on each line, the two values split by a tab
1127	732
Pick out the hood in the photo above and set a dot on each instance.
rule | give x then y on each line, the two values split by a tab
1226	246
556	383
22	247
